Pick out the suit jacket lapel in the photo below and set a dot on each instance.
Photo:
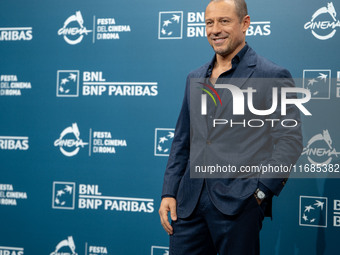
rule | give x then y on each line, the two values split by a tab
242	73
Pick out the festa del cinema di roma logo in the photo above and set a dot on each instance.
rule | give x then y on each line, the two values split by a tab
65	245
320	150
323	23
74	34
70	139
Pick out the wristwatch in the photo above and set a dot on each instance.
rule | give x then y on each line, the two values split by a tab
259	194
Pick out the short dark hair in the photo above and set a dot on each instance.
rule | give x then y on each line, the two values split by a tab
241	7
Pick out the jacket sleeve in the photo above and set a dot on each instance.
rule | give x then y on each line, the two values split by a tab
287	140
180	149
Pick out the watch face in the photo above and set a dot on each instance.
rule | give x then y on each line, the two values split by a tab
261	195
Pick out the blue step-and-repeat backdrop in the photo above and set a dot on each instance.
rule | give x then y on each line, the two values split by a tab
90	92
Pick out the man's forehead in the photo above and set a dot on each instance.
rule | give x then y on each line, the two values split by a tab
220	9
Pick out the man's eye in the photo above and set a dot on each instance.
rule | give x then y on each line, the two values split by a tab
225	21
208	23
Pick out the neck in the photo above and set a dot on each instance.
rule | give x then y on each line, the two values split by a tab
225	61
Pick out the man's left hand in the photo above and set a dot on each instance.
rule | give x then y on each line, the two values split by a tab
258	200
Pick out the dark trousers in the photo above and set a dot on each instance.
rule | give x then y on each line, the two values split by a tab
207	231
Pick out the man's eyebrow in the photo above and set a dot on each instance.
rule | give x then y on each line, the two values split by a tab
222	17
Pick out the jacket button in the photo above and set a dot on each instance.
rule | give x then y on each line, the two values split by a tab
208	142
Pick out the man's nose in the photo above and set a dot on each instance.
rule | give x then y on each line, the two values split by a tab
216	29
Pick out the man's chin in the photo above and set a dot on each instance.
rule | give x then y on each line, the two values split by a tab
223	52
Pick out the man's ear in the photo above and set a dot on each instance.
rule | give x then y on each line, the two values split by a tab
245	23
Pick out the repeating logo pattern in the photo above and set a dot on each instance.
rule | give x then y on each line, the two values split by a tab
63	195
163	141
323	23
69	141
319	149
64	246
74	34
159	250
313	211
68	83
318	82
170	25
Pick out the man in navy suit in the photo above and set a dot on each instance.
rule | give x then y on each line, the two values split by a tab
224	215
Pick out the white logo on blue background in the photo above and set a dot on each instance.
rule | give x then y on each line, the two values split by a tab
163	141
74	34
68	83
313	211
170	25
159	250
323	23
318	82
66	246
63	195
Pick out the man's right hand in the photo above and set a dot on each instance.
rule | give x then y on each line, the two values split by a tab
168	204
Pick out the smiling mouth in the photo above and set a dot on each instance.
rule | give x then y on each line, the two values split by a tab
219	40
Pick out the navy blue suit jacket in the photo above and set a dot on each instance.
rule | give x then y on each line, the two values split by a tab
237	145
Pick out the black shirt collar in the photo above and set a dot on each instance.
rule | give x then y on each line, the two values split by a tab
237	59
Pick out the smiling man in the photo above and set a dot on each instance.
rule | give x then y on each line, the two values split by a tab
224	215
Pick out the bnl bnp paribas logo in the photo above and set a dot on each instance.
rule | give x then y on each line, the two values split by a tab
89	197
163	141
159	250
63	195
320	149
5	250
74	29
313	212
318	82
93	83
171	25
68	83
324	23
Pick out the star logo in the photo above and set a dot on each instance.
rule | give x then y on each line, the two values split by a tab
163	141
318	82
63	195
170	25
313	211
68	83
